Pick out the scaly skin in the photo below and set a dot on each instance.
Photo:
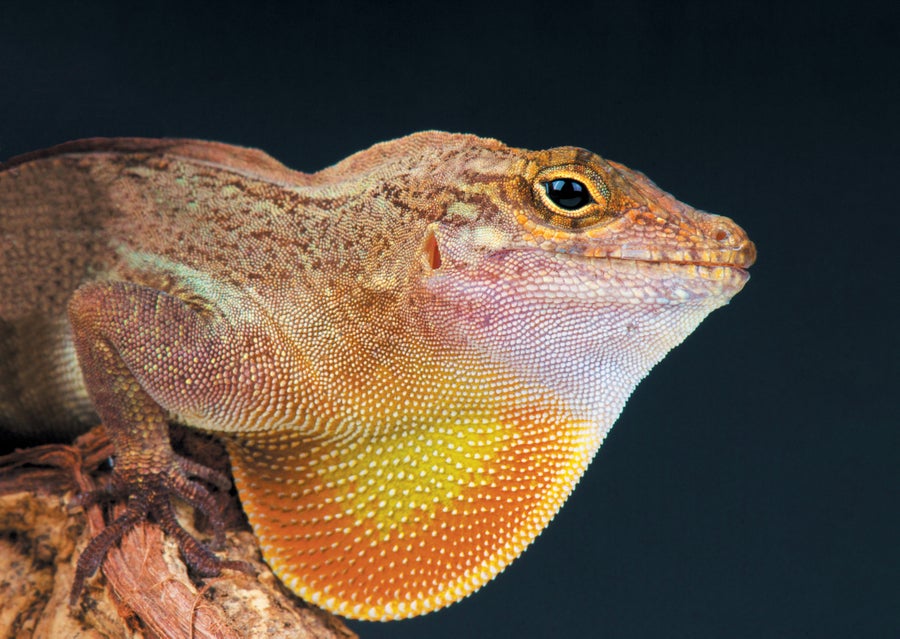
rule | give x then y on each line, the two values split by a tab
412	355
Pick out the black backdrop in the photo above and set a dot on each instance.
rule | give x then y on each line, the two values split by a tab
751	487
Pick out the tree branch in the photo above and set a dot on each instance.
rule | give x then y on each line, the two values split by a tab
145	590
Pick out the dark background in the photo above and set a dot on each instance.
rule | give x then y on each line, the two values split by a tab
751	487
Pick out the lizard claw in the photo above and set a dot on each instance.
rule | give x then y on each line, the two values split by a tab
207	474
197	555
95	552
107	492
152	499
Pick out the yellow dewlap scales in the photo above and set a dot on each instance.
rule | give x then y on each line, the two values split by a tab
399	525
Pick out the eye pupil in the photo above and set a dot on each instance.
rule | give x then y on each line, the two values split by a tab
567	193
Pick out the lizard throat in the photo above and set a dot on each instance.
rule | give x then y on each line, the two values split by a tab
400	524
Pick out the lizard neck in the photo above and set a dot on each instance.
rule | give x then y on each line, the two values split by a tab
443	455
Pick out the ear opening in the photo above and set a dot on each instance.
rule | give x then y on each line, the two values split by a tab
431	252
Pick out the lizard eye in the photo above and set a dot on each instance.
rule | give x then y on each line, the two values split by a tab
568	194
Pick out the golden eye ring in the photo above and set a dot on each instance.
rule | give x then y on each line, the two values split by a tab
570	196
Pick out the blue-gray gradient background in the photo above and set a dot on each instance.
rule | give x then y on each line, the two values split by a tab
751	487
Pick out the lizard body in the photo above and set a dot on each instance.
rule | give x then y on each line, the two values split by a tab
411	355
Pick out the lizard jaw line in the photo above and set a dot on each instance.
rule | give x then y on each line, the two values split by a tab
714	268
699	263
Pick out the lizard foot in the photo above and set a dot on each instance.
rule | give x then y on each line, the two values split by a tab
152	499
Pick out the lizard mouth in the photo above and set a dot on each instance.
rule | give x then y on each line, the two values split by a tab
704	262
727	274
741	257
697	277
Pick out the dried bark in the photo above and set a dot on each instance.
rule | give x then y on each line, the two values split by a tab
144	589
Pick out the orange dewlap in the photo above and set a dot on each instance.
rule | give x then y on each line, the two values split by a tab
396	525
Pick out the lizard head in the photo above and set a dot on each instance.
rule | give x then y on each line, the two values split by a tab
529	292
560	261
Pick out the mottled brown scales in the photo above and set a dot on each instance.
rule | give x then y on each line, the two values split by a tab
411	355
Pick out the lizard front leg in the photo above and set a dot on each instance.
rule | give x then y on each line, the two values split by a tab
135	346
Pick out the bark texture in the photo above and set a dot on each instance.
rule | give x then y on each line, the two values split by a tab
144	589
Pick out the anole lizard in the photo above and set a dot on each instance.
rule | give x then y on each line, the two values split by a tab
412	355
